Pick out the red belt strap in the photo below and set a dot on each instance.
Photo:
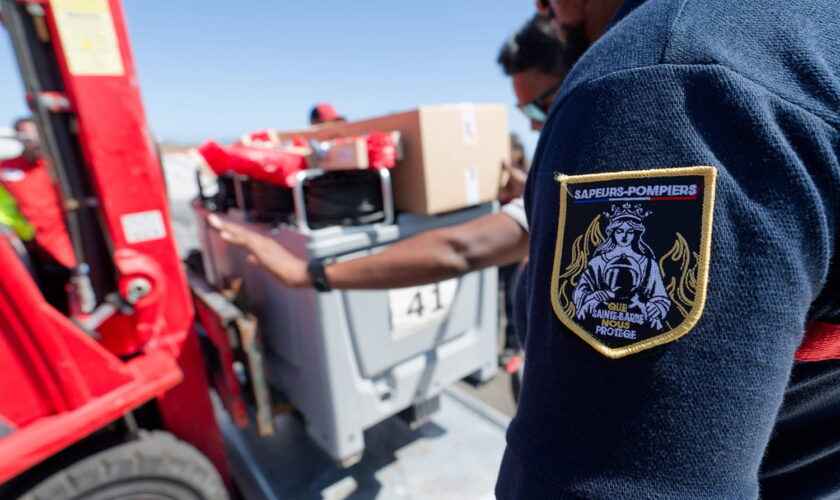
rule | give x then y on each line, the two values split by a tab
822	342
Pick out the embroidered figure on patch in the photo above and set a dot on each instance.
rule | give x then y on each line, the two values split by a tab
632	257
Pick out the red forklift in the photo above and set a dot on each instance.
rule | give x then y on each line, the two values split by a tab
110	396
95	396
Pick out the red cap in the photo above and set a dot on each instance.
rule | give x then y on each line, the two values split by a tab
325	112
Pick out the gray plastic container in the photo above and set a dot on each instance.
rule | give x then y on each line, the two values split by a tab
345	359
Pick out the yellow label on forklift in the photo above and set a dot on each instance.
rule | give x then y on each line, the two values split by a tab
88	37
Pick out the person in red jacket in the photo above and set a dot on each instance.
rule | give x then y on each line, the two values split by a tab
28	180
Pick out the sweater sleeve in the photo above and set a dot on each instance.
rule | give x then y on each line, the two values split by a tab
690	418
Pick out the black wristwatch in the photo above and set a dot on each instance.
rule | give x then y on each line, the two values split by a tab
318	275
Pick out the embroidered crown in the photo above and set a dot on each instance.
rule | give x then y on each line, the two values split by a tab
627	211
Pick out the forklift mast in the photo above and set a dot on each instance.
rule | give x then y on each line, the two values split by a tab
129	290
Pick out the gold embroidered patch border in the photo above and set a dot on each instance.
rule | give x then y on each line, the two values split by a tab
624	291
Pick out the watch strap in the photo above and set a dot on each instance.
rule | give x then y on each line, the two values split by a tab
318	275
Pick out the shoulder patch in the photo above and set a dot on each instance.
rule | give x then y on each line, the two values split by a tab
632	257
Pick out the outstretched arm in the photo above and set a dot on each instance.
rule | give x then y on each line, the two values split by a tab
426	258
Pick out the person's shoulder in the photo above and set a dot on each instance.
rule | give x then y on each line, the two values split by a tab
787	47
635	39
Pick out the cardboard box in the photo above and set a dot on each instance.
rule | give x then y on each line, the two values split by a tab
452	153
350	155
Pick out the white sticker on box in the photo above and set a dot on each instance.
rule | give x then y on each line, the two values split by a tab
472	191
468	126
143	226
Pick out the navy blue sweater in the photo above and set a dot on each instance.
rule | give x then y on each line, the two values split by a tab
753	89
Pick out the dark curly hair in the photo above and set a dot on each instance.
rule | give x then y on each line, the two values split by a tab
534	45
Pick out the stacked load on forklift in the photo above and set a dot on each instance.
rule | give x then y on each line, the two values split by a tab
347	359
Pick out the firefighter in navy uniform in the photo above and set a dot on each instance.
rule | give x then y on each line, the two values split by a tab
682	287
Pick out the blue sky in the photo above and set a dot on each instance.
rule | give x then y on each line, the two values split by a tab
216	69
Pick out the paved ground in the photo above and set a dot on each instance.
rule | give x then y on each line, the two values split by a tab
496	393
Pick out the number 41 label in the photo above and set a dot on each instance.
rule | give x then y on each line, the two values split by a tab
419	305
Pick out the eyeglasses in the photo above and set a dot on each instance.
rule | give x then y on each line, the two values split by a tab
537	109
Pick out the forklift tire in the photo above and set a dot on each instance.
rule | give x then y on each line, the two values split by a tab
155	466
